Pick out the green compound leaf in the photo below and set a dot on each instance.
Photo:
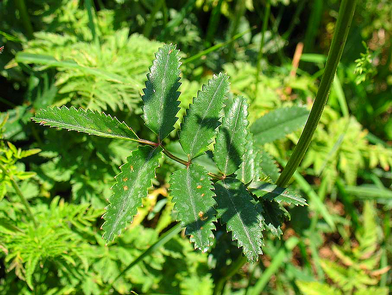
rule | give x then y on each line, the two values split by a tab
250	167
237	209
160	95
203	116
269	168
230	143
271	192
194	202
87	121
130	187
277	124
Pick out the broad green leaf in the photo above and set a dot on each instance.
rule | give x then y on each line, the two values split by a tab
230	143
250	167
194	202
271	192
268	166
87	121
160	95
130	187
203	116
273	217
237	209
277	124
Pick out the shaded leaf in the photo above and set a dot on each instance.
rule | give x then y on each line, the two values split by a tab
250	167
87	121
237	209
160	95
274	216
230	143
271	192
269	167
193	198
131	186
278	123
203	116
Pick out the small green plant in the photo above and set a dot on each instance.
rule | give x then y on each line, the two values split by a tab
231	191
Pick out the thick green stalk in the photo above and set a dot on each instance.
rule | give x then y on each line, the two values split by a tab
260	55
24	16
345	17
151	19
161	241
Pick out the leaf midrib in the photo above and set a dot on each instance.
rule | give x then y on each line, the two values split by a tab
205	114
124	204
188	182
239	217
232	137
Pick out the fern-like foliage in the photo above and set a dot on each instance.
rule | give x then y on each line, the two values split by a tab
161	95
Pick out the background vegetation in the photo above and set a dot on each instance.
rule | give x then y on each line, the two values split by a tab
96	55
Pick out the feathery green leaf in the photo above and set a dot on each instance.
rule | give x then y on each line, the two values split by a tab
203	116
271	192
230	143
87	121
160	95
194	202
277	124
237	209
131	186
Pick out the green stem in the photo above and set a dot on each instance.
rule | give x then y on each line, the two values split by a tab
151	19
20	194
230	272
345	17
175	158
260	55
161	241
90	8
213	23
239	12
215	47
24	16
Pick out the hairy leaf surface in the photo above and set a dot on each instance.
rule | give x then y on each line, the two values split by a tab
203	116
130	187
87	121
194	202
160	95
271	192
250	167
277	124
230	142
237	209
